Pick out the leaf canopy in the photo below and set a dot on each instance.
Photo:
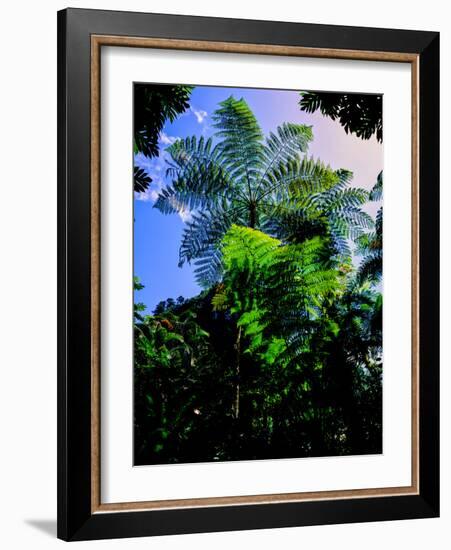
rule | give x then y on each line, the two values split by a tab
240	177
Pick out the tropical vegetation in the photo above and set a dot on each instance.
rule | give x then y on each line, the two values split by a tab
280	355
359	114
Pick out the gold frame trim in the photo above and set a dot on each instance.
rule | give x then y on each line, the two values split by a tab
97	41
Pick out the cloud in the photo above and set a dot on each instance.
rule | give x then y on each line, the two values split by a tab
150	195
143	162
199	114
167	140
185	216
155	168
184	213
152	192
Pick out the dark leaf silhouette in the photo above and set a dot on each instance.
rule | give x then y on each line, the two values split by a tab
154	104
359	114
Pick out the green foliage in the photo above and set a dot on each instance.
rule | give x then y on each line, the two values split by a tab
369	245
267	184
138	307
359	114
376	191
333	210
281	359
153	106
168	348
279	291
281	354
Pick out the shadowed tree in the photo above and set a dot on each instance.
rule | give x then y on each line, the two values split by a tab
359	114
154	105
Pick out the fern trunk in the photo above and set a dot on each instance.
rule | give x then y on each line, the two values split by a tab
252	216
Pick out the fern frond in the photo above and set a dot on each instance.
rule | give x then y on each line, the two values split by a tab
141	180
208	268
299	178
241	147
370	268
201	241
377	190
277	289
197	174
369	245
283	147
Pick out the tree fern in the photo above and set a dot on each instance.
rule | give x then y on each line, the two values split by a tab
276	290
247	180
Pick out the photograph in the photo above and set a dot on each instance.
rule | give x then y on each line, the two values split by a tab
248	321
257	262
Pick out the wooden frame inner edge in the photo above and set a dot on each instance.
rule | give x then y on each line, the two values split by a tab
106	40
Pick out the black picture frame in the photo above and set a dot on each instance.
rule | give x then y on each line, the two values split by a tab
76	520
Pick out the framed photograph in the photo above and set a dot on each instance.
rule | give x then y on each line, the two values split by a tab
248	274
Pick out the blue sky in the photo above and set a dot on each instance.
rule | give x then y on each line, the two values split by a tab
157	236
